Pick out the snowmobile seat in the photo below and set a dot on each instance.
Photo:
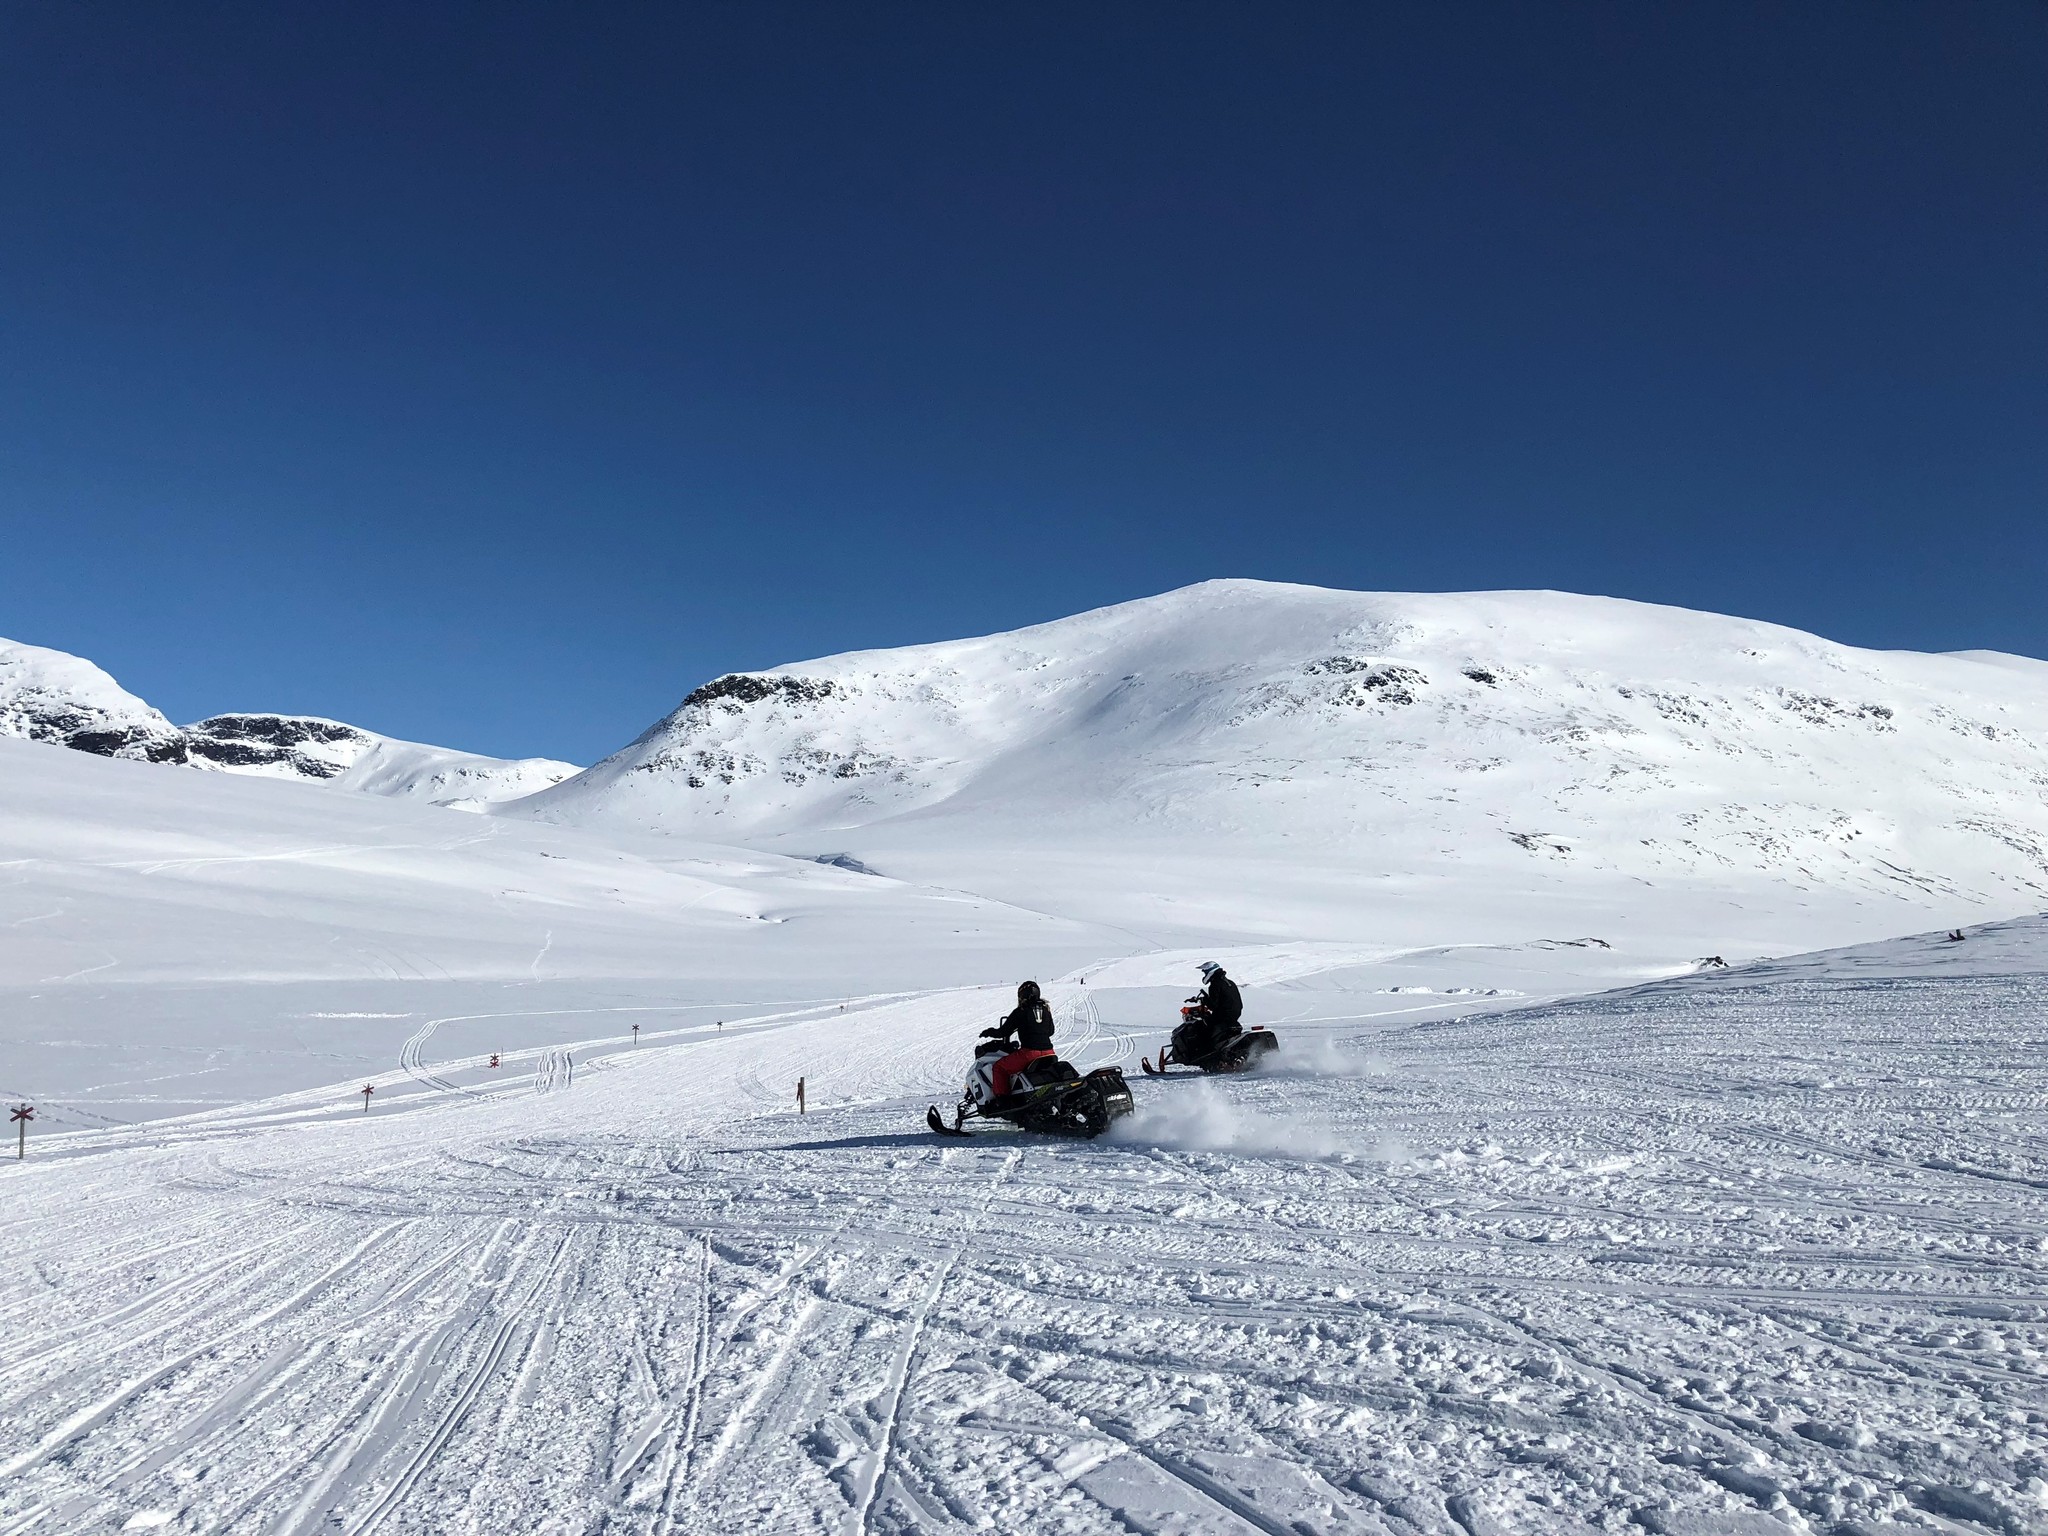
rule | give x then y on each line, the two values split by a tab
1043	1074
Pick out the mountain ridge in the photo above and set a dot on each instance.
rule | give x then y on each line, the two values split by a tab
59	699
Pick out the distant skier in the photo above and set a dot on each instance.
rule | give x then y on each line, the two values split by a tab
1027	1030
1225	1005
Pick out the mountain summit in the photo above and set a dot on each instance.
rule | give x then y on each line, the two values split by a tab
1289	758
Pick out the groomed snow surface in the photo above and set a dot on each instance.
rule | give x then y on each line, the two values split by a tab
1741	1252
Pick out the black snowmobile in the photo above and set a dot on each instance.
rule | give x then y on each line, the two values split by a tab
1194	1044
1048	1097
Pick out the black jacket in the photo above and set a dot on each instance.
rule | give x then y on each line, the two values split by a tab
1031	1025
1226	1004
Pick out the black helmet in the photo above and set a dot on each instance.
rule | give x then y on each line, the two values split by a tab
1027	992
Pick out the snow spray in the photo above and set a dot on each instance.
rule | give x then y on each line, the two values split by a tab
1201	1117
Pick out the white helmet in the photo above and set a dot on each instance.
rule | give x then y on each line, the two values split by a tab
1208	967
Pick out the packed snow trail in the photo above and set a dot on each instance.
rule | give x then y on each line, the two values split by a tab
1744	1252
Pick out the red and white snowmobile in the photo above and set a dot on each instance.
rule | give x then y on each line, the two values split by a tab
1048	1097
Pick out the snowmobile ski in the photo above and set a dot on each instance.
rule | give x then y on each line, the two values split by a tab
937	1122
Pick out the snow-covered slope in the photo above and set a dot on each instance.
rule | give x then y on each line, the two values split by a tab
1243	757
310	749
66	701
171	939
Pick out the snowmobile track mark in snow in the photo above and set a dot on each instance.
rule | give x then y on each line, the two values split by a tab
395	1294
86	1419
362	1433
468	1391
900	1374
225	1415
679	1485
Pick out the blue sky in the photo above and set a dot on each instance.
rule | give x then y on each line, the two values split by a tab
491	375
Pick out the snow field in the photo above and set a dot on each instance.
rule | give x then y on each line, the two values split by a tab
1742	1252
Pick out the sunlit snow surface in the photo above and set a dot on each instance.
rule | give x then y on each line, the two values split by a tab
1738	1252
1496	1247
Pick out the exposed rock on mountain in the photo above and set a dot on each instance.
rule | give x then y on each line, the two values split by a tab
290	746
306	747
66	701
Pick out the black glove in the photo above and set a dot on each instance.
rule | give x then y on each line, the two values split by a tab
996	1032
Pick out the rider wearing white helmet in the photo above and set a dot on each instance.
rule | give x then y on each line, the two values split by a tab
1224	1002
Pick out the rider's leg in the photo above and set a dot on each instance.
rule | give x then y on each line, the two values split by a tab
1006	1069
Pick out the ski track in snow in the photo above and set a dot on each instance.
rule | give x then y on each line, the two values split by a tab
1735	1254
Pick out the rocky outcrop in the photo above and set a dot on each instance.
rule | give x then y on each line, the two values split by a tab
299	746
66	701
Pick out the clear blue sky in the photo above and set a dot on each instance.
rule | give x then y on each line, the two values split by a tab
492	374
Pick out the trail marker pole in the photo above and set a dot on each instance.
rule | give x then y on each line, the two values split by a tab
636	1034
799	1095
494	1058
23	1113
368	1089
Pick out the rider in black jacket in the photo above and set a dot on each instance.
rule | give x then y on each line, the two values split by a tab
1031	1020
1224	1002
1027	1031
1223	1007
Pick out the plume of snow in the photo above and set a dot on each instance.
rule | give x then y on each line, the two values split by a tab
1316	1054
1201	1117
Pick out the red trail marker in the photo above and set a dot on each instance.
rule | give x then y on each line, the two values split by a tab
23	1113
368	1089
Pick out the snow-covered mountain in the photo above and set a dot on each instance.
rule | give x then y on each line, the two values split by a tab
307	747
51	696
1244	756
65	700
